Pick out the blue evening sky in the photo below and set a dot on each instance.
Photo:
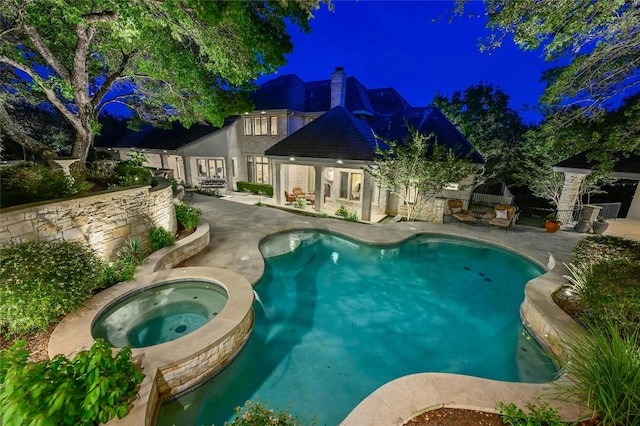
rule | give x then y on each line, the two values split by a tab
412	46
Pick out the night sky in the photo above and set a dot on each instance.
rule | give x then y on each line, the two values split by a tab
412	47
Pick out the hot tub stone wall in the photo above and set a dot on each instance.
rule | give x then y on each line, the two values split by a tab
180	377
103	221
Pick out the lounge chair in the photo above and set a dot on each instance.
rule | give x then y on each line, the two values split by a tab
504	216
456	210
298	192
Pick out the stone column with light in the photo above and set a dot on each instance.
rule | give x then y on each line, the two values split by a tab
569	195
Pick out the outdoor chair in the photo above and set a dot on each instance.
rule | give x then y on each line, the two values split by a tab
504	216
298	192
289	198
456	209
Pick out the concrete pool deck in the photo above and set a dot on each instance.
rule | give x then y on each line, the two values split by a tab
238	227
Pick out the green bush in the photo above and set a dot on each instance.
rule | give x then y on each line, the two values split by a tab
159	238
39	281
92	388
256	188
603	372
130	174
352	217
257	414
594	249
545	415
129	258
342	211
28	182
187	216
612	291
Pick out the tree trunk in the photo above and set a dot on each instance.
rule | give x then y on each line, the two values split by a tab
82	141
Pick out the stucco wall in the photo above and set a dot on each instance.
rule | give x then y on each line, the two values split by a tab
104	221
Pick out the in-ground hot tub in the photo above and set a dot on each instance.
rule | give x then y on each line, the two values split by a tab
160	313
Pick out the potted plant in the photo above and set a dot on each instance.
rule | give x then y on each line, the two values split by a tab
600	225
552	224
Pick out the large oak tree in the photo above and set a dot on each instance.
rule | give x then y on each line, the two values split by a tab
187	60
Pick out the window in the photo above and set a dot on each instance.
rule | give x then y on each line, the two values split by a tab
210	168
350	185
247	126
202	167
260	126
257	169
273	130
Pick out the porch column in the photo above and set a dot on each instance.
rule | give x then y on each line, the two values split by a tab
569	195
368	186
634	208
319	188
277	182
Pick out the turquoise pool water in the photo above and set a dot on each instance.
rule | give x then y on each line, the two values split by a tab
339	319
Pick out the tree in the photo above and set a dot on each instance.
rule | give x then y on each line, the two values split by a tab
595	41
417	169
482	114
186	60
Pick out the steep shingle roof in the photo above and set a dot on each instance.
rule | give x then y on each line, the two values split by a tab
624	166
426	120
387	100
337	134
289	92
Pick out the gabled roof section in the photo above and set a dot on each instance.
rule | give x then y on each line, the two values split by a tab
387	100
115	134
337	134
427	120
356	98
284	92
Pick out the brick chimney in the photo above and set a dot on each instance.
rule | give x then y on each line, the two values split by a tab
338	87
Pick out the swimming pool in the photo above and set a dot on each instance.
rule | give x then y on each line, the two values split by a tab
339	319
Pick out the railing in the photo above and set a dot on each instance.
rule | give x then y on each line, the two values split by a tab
490	199
609	210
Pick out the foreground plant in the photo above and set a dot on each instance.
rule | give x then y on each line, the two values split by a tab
544	415
92	388
39	281
603	372
257	414
187	216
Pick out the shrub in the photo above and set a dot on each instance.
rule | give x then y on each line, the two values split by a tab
130	174
342	211
257	414
39	281
604	373
132	253
545	415
300	203
255	188
28	182
92	388
187	216
351	217
159	238
612	291
594	249
103	172
129	258
323	215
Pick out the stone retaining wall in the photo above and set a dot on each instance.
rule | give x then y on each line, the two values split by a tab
103	221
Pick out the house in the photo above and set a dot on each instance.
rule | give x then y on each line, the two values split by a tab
318	136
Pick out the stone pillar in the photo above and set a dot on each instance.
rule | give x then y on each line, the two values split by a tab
277	182
368	185
319	188
634	208
569	195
